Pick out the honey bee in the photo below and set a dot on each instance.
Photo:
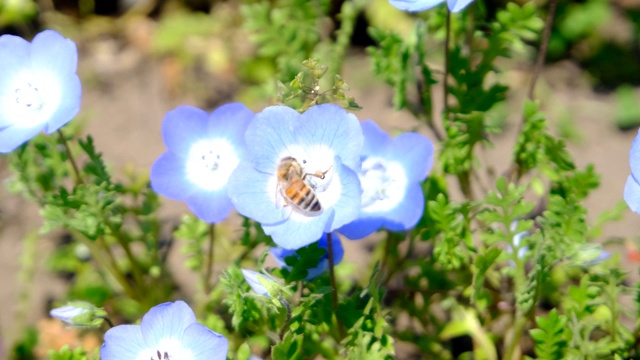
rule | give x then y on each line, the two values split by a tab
294	190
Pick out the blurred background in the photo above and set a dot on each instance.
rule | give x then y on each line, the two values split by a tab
140	59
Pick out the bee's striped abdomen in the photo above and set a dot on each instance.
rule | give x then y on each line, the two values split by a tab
302	196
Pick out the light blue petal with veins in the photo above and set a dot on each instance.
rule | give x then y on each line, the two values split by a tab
183	126
205	344
254	194
331	125
415	152
122	342
269	135
166	320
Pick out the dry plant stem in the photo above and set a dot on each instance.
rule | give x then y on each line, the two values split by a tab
71	158
209	262
542	53
287	321
332	278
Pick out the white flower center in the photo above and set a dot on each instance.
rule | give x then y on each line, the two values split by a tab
30	98
210	163
166	349
384	184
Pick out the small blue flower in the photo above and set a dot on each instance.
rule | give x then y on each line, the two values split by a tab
39	87
67	314
167	331
323	264
390	177
79	313
203	150
421	5
632	187
300	179
259	282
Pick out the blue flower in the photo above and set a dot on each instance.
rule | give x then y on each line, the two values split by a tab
323	264
391	173
203	150
259	282
420	5
167	331
300	179
632	187
39	87
79	313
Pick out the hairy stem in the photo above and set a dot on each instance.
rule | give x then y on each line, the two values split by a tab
332	277
209	261
287	321
72	160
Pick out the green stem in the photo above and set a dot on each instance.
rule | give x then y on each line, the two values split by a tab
520	278
72	160
287	321
445	82
332	278
123	241
544	45
206	281
513	341
109	264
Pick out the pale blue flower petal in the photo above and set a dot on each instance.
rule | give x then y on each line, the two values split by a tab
414	5
406	215
634	157
348	207
253	279
205	344
457	5
183	126
9	66
50	50
67	313
122	342
254	194
231	121
376	140
298	230
13	136
210	206
69	104
270	135
331	125
632	194
166	320
168	177
361	227
415	152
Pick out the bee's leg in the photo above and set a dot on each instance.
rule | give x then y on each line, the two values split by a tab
318	174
